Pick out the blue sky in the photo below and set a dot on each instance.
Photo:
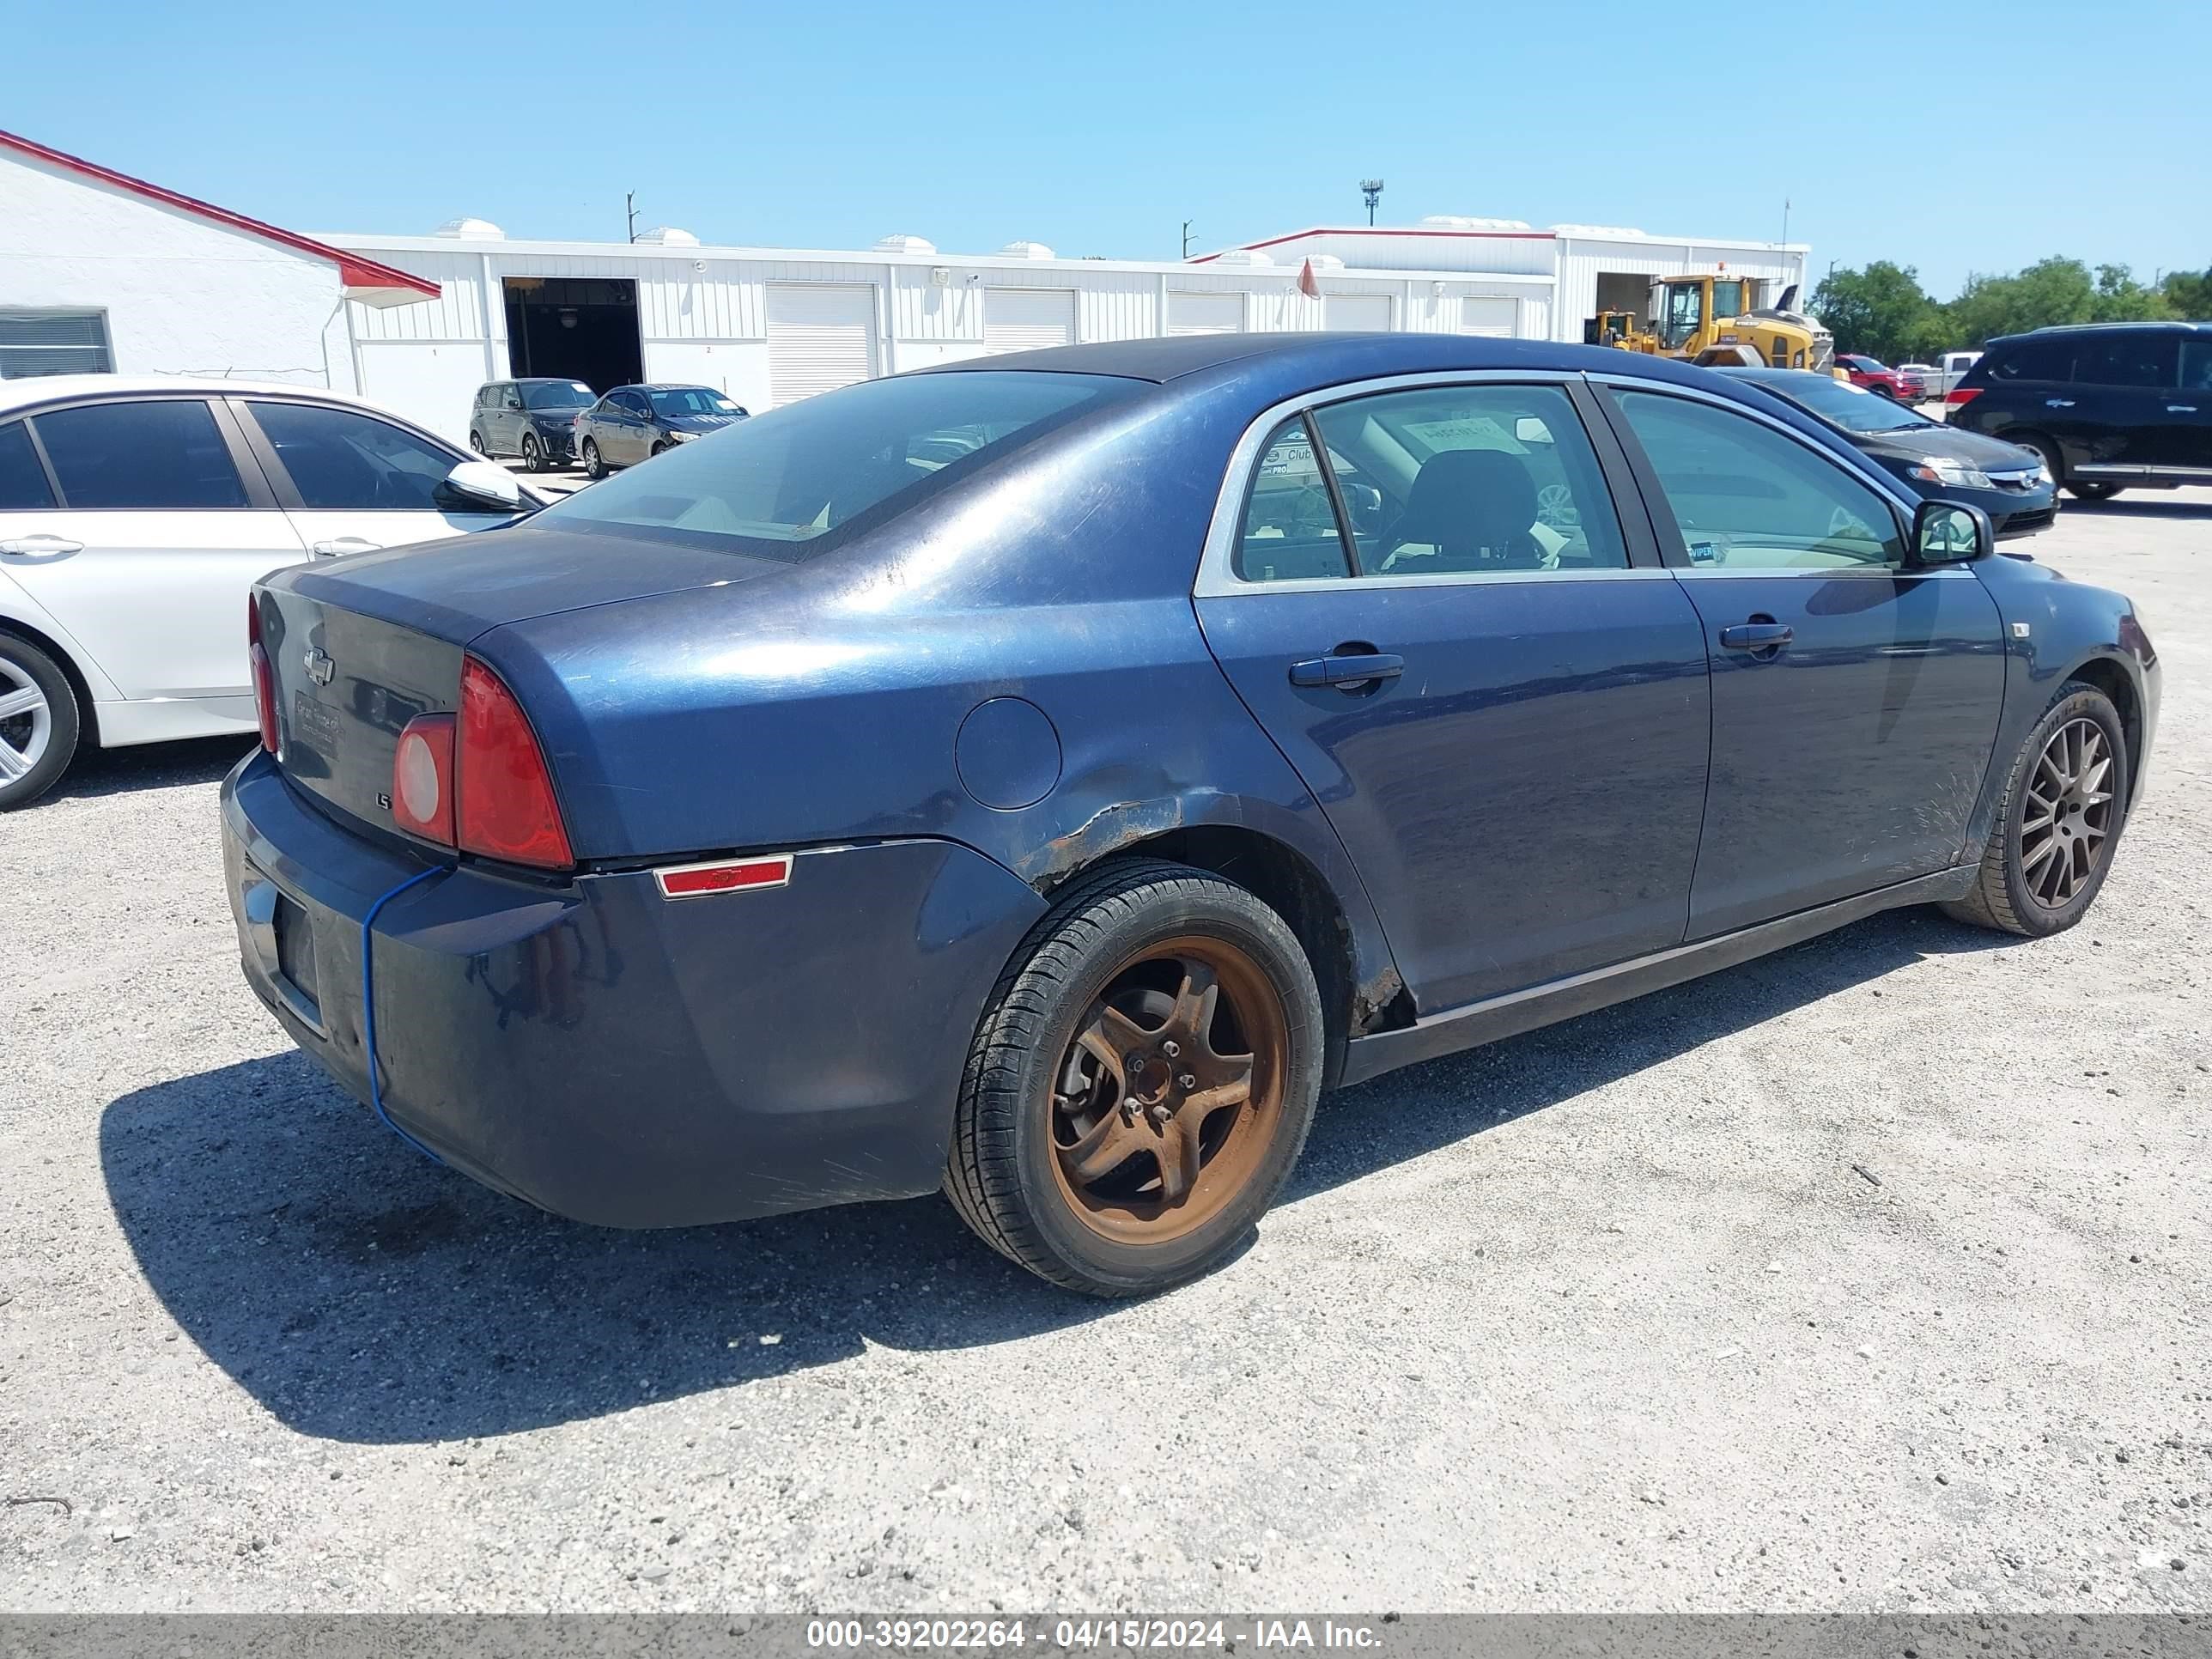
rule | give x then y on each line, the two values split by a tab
1953	136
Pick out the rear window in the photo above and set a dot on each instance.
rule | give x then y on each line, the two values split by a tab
790	484
22	480
2127	359
2030	359
152	453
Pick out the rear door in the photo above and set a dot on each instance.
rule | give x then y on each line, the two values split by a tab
2123	380
351	481
1502	711
163	523
1855	703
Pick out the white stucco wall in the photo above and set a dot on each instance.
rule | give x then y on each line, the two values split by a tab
183	294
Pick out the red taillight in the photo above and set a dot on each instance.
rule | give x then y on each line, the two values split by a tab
423	779
1960	395
264	679
505	805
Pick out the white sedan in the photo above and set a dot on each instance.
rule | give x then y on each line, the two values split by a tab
135	513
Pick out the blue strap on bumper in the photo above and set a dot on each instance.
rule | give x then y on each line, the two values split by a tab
369	1008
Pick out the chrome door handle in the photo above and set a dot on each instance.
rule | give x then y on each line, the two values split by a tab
2181	408
37	546
331	550
2058	402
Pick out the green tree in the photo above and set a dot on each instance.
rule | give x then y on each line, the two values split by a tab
2121	298
2188	295
1881	310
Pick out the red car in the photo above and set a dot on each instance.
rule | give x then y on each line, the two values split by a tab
1877	376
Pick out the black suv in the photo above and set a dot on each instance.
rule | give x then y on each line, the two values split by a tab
2108	405
535	419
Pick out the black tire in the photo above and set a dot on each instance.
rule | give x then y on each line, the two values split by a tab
2002	897
531	461
477	443
659	447
593	467
1003	1174
2084	489
1882	391
25	668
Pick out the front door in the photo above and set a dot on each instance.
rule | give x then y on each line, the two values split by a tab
1855	703
1502	715
352	483
148	560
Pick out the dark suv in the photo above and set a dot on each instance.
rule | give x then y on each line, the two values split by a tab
2107	405
535	419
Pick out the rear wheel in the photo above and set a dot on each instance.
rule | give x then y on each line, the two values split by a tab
477	443
1141	1082
38	722
2063	808
593	467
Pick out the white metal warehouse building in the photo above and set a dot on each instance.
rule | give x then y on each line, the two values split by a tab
100	269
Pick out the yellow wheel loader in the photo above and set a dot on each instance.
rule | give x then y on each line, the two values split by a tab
1716	318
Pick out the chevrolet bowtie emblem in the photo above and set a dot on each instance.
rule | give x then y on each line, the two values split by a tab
321	666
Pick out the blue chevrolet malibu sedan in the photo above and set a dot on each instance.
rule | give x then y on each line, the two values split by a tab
1041	778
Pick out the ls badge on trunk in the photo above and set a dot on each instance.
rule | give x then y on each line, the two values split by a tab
321	666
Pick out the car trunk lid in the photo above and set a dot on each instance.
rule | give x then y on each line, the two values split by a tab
359	646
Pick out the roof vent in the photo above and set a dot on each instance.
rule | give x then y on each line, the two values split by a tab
668	236
906	244
473	230
1613	232
1027	251
1461	222
1242	256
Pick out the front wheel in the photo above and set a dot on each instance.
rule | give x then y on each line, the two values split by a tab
38	722
2061	818
530	460
1140	1084
2088	490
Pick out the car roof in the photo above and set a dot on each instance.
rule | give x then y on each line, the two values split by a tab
43	389
1326	356
2157	325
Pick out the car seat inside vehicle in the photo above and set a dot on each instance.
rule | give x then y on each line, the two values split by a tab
1469	510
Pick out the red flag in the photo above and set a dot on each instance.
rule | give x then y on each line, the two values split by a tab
1309	284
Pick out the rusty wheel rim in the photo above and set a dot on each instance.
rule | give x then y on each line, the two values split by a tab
1168	1095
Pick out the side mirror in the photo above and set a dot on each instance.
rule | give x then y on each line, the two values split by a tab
1945	532
479	487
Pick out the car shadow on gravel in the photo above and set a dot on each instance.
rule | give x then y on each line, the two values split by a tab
148	766
361	1293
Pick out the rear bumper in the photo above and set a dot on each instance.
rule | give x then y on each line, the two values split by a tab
623	1058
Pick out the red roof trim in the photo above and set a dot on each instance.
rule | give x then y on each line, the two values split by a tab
1371	230
353	270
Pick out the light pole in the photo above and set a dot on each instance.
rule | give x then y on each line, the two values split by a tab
1372	190
1186	238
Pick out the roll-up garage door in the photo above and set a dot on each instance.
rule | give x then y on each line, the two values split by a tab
1370	312
1479	316
1192	313
1027	319
819	338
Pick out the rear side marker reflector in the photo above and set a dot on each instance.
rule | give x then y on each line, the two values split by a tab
723	876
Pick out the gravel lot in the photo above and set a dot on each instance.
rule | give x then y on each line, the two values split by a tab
1868	1276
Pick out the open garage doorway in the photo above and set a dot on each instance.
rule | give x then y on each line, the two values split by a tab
574	328
1623	290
